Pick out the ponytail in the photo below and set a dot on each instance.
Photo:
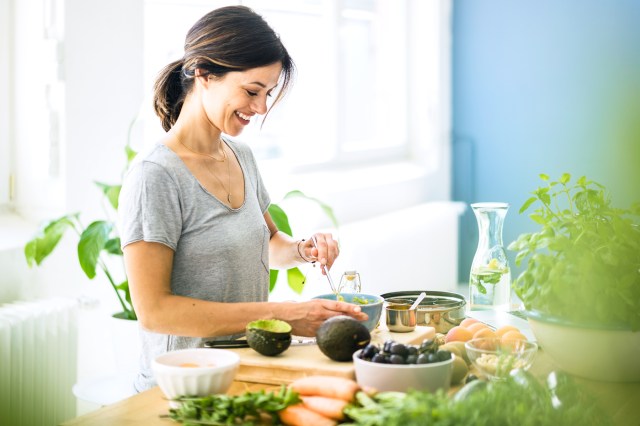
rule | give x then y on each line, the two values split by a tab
169	94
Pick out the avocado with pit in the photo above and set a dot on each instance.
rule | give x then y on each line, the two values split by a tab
269	337
340	336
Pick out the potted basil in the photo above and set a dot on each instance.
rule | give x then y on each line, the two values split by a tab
581	282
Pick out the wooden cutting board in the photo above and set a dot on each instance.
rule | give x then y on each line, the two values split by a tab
307	360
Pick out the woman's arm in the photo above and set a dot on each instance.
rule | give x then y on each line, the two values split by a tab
149	267
285	252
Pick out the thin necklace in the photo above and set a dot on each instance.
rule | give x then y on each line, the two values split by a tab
224	153
224	157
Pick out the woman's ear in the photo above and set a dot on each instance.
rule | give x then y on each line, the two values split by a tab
202	78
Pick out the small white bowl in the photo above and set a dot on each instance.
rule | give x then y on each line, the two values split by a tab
195	372
402	377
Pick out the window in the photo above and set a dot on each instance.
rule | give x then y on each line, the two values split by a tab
349	100
5	101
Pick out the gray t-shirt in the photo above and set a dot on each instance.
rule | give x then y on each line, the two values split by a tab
220	254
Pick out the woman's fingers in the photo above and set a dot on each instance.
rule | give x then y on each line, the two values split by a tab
326	248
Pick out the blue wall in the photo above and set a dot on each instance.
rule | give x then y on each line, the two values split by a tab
543	86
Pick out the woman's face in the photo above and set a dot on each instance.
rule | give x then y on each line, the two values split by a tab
230	102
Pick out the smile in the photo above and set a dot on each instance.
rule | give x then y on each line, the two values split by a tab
243	116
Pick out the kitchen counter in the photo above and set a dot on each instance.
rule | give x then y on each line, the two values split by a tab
620	400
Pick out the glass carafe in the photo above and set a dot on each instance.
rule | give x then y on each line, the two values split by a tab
490	278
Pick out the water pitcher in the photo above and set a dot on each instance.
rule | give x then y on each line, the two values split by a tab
490	278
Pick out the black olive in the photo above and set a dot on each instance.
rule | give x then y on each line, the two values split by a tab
432	357
370	350
412	350
428	345
443	355
396	359
399	349
422	359
387	346
412	359
379	358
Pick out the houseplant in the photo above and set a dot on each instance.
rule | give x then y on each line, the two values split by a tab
100	240
581	282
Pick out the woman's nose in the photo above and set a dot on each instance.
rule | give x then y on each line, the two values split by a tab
259	105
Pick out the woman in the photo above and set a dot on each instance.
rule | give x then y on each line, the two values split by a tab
197	237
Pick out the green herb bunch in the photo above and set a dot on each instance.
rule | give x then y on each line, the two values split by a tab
246	409
519	400
583	264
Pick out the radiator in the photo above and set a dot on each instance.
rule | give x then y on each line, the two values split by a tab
38	362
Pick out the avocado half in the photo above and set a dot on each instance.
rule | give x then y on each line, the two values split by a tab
269	337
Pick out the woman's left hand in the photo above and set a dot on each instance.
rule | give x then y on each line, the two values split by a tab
325	249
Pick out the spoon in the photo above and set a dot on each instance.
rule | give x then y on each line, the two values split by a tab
326	271
418	300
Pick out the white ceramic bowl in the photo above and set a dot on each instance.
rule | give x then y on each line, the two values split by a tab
591	352
195	372
402	377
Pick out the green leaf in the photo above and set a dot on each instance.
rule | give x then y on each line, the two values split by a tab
46	240
113	246
280	218
544	177
527	204
295	279
131	154
273	278
538	219
566	177
112	192
92	241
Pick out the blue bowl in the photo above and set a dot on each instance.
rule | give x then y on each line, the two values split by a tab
373	307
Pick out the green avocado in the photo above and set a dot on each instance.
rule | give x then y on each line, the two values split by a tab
340	336
269	337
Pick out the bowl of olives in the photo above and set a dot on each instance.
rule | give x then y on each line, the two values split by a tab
396	366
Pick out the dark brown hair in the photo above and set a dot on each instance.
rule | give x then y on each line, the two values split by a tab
232	38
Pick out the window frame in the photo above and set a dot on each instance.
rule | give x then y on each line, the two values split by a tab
6	122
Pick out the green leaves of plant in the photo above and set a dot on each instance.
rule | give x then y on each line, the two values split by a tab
48	238
92	241
583	262
112	192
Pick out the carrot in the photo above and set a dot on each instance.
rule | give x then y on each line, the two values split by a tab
329	386
299	415
328	407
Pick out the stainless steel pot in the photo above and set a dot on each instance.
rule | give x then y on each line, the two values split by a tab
441	310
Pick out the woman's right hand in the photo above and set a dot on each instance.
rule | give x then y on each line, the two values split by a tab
306	317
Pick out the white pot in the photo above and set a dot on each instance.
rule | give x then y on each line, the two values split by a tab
603	354
125	339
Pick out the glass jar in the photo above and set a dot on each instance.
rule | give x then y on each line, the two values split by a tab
350	283
490	277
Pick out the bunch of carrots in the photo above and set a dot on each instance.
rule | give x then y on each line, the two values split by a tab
323	401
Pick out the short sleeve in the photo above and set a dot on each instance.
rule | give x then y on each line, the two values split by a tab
149	207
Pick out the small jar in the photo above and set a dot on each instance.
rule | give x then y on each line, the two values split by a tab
350	282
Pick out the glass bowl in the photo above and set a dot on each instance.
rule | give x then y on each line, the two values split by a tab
495	359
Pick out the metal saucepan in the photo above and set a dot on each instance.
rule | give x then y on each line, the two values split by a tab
441	310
